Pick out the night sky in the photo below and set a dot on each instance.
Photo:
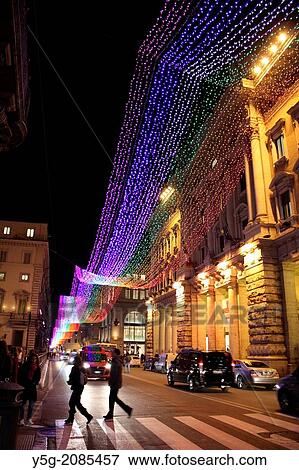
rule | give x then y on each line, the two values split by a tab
60	174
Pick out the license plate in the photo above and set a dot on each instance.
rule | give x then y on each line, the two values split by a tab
97	371
217	371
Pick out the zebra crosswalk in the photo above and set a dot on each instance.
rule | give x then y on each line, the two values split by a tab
179	433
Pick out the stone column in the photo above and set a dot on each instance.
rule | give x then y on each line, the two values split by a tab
194	320
168	329
156	320
202	322
243	318
211	329
183	312
291	292
234	335
161	329
149	331
249	190
261	166
221	323
265	319
174	325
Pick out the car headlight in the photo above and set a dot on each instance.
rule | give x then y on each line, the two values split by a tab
86	365
108	366
71	360
277	386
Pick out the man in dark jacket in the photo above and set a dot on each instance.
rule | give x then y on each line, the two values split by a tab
77	381
115	382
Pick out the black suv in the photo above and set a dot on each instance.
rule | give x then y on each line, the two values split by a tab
201	369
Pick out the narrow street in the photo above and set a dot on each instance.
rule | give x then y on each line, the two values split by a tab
163	417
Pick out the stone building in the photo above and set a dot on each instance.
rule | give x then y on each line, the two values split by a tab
14	75
24	284
239	288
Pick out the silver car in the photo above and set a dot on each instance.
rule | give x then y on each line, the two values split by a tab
250	373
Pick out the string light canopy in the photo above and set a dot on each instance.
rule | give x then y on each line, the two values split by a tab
189	67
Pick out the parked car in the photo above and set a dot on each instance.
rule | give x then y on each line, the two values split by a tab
201	369
135	361
288	391
63	356
164	362
250	373
149	363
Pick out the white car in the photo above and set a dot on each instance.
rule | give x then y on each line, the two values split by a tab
135	361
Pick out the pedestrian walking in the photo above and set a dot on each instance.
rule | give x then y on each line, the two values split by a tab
115	383
127	361
77	380
29	378
5	362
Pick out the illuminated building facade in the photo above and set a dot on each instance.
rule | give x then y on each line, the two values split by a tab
24	284
238	289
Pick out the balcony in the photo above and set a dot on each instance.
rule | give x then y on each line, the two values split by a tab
14	319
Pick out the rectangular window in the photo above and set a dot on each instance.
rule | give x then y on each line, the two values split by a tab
3	256
6	230
285	205
22	306
279	144
142	294
135	294
26	258
30	232
127	294
24	277
2	276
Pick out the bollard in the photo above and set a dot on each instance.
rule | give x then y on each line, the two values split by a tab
10	402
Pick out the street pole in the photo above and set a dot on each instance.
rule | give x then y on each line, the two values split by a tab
29	320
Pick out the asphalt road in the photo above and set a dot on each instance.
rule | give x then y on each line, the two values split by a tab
163	417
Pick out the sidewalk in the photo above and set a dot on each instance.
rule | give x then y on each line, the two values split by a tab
35	437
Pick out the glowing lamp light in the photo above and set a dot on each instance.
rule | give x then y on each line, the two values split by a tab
257	70
282	37
222	266
273	48
166	193
247	248
177	285
265	60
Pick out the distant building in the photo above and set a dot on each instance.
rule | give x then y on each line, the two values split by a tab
14	90
24	284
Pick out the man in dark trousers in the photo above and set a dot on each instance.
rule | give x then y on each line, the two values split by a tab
77	381
115	382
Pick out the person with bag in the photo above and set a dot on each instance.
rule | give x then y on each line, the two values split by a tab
77	380
29	377
115	382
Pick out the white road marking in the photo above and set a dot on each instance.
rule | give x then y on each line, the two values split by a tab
256	431
118	435
172	438
229	441
277	422
69	437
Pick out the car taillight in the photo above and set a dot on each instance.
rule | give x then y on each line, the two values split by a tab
233	364
200	364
